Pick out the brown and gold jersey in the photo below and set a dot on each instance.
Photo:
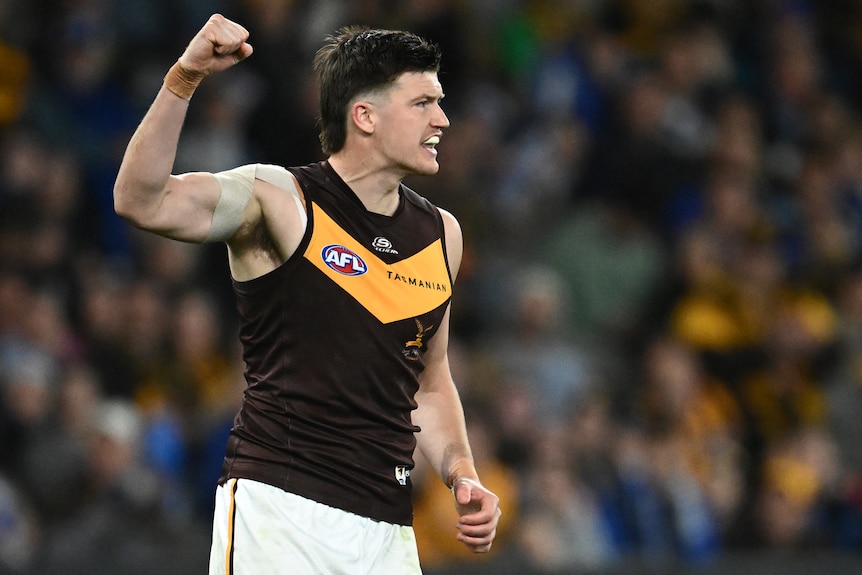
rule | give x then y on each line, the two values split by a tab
333	342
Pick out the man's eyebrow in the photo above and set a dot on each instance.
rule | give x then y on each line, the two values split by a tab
429	96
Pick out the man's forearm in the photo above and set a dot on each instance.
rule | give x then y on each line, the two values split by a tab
443	440
150	155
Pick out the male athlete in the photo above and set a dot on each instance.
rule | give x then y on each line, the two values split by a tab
343	279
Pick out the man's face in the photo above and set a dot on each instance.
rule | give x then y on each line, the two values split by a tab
411	122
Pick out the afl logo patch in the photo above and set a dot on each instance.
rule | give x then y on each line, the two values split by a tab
343	260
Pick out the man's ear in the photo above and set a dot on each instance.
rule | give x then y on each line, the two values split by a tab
363	117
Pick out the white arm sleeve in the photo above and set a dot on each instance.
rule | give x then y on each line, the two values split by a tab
236	188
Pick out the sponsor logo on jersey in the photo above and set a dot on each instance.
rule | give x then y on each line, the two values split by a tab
343	260
383	245
417	282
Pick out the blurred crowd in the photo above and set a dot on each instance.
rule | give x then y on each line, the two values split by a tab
657	329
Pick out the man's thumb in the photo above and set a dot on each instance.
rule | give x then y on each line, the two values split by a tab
462	494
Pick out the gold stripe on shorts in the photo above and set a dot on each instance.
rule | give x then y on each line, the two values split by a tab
231	519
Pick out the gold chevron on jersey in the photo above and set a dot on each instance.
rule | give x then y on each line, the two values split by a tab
391	292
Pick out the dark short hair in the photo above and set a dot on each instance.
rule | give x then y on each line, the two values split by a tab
358	59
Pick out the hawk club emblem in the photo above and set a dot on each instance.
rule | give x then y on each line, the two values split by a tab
412	347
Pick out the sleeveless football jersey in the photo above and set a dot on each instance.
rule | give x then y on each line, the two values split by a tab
333	342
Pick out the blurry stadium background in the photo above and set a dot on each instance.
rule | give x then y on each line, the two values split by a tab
657	330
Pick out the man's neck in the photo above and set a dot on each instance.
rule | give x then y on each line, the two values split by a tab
377	189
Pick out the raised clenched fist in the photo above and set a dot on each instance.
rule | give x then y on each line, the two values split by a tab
220	44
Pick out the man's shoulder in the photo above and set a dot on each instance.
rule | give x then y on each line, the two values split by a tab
285	177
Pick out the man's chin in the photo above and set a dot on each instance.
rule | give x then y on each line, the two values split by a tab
429	169
424	169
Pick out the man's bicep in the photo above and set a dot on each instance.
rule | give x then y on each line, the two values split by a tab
454	241
185	210
203	207
437	358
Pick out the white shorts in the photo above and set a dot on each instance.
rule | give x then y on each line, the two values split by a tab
258	528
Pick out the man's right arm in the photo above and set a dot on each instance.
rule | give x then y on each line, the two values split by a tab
145	192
